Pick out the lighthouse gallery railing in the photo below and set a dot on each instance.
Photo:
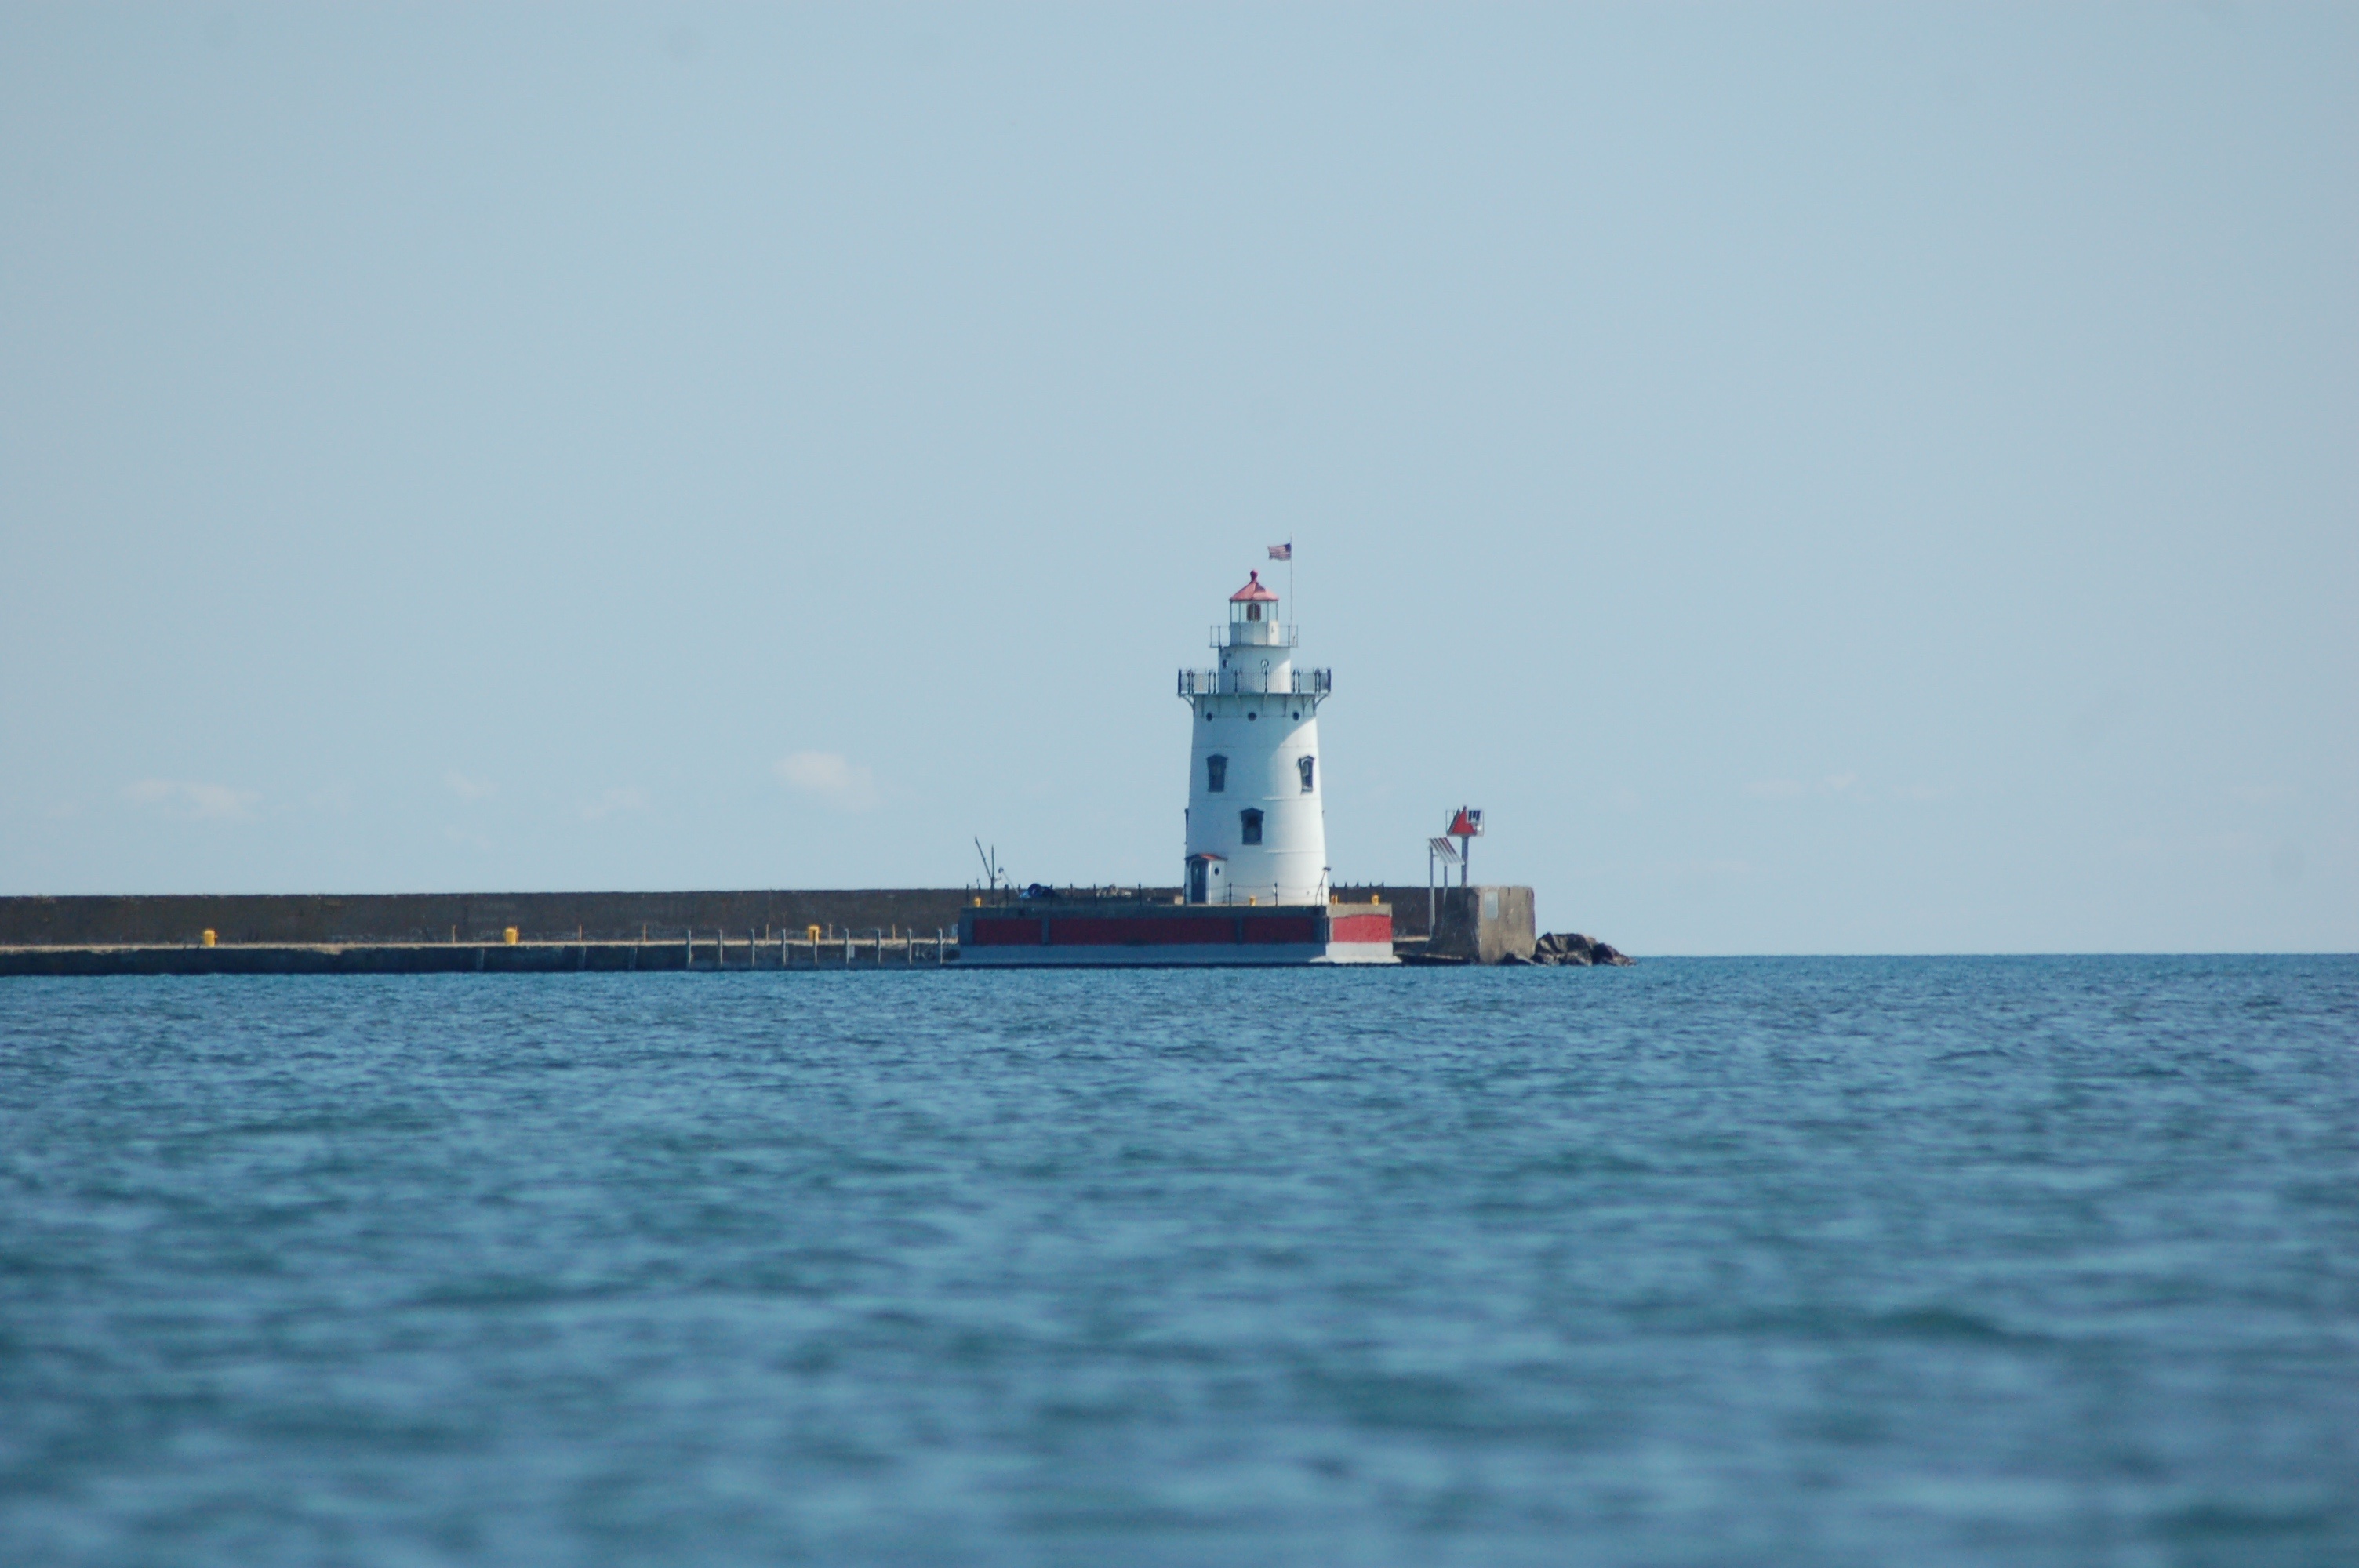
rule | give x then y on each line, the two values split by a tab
1255	683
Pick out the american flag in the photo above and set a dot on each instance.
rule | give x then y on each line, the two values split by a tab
1282	552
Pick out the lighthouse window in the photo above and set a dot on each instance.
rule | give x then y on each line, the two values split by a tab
1253	611
1250	820
1216	774
1309	766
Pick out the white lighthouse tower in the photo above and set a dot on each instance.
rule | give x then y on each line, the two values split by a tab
1256	829
1257	889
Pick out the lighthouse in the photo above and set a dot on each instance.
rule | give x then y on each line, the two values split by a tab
1257	823
1255	888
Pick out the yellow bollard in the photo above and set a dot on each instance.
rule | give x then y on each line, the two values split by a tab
208	939
978	903
810	933
509	937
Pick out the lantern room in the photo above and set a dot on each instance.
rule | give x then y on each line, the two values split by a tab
1252	613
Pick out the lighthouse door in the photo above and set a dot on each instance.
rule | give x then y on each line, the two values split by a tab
1196	880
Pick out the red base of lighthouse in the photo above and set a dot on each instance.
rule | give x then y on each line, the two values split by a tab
1058	932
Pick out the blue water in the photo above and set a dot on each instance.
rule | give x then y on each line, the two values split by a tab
1776	1261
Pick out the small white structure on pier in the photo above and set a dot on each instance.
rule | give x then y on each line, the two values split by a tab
1256	828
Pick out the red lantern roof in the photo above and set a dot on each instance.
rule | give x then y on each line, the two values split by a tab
1252	590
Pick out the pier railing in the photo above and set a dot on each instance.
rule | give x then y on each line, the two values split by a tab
1256	634
705	949
1255	683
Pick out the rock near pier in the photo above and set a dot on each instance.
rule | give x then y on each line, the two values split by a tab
1572	948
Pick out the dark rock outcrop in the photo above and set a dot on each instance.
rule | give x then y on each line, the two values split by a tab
1572	948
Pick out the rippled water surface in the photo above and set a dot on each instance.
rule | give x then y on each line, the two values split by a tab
1801	1261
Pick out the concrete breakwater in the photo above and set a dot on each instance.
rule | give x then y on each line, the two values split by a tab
458	919
710	954
904	928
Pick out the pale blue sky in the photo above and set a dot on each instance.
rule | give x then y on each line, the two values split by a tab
1825	480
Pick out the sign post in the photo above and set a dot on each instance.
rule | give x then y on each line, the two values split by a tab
1443	850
